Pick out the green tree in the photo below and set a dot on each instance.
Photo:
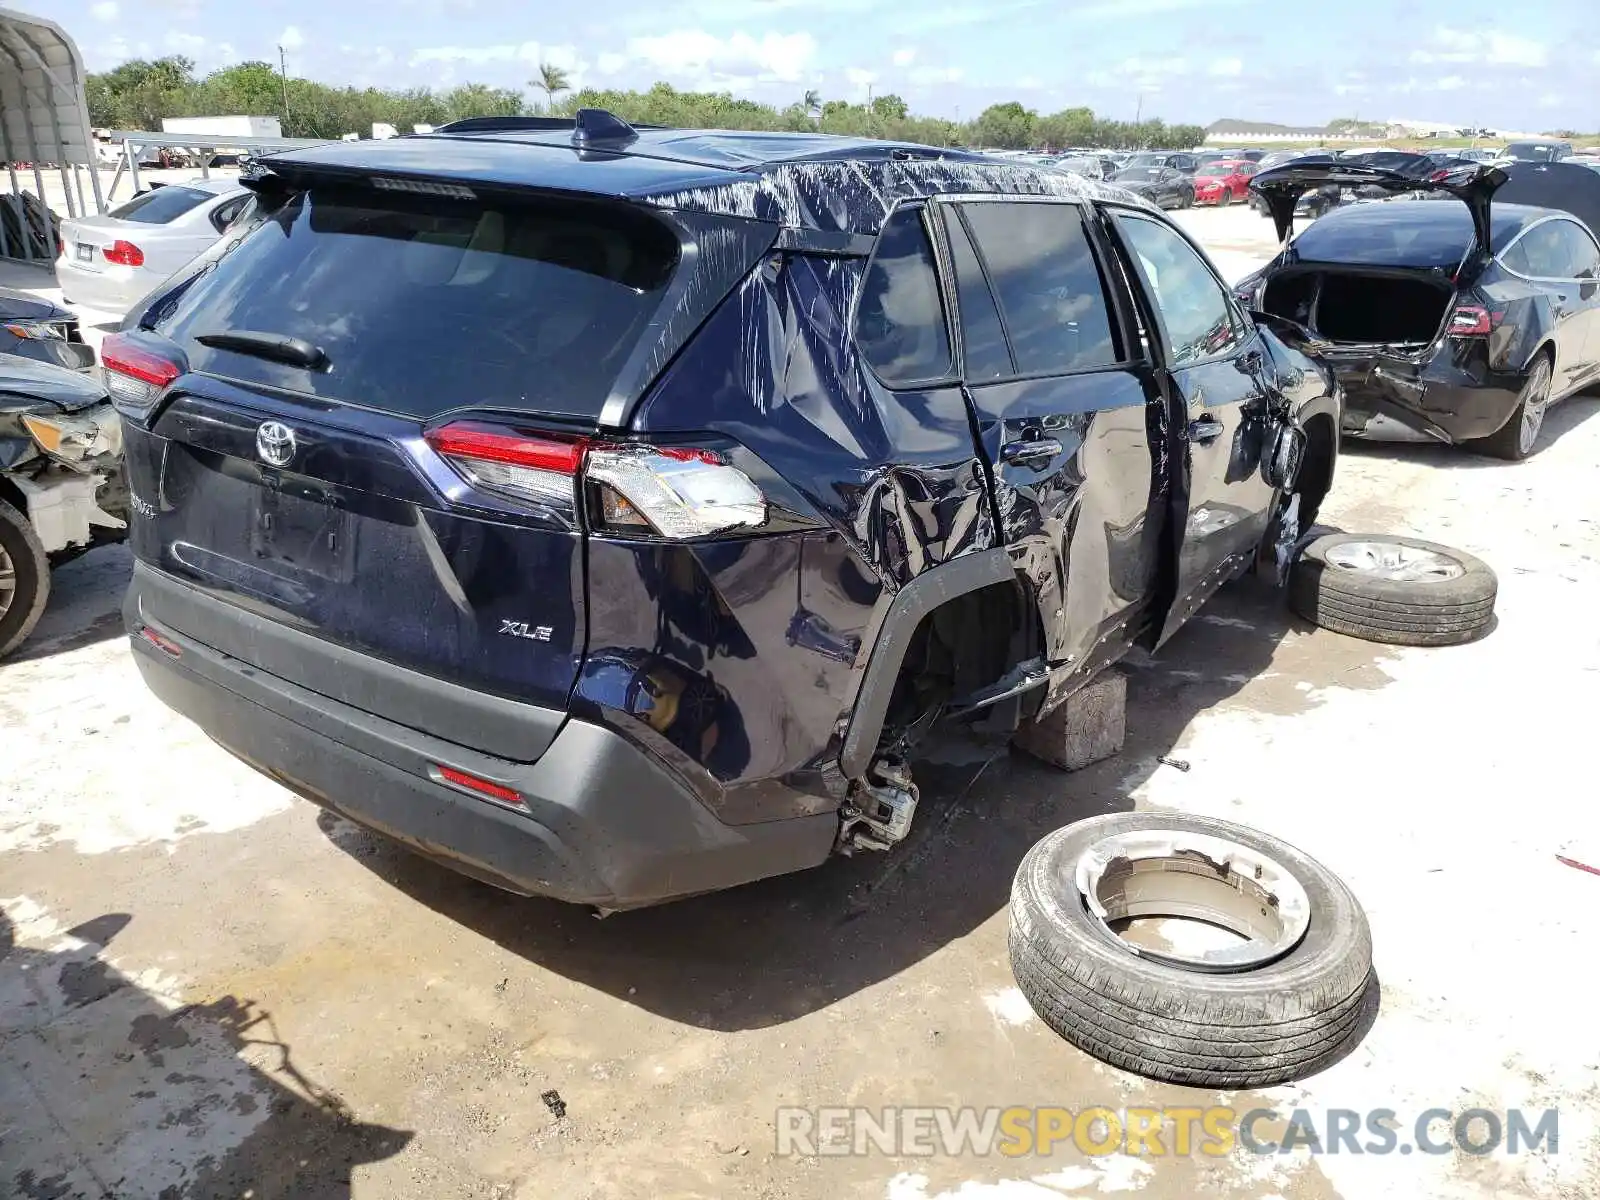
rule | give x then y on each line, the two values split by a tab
812	102
889	107
552	79
481	100
1007	126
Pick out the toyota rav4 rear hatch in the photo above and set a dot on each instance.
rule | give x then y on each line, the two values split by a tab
369	420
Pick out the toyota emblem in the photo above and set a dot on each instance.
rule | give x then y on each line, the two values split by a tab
275	443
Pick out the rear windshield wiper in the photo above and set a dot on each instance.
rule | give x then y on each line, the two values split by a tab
297	352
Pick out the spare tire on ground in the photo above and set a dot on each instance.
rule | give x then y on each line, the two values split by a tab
1295	997
1399	590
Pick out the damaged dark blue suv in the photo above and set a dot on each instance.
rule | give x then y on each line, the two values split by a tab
608	512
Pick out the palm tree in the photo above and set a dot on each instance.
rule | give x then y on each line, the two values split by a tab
812	102
552	79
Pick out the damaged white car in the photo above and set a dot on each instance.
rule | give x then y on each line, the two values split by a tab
62	486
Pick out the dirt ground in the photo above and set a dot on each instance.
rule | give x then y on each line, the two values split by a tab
209	988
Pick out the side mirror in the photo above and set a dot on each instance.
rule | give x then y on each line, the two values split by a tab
1286	450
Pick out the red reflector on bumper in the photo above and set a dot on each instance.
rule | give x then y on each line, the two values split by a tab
484	787
164	644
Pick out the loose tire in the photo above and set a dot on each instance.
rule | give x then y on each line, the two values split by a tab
1515	440
1249	1028
1397	590
24	578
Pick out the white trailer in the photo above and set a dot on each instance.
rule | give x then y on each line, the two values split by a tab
224	127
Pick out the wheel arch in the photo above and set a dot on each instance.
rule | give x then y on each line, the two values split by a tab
953	584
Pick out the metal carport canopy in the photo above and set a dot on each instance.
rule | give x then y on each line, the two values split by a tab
44	117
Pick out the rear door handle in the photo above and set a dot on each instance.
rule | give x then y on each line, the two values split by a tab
1205	429
1034	450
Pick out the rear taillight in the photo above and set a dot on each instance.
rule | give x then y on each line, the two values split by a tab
528	467
1473	320
675	492
124	254
133	374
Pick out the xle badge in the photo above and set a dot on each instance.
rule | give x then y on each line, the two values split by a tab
521	629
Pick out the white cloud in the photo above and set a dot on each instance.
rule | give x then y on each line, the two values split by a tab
1470	46
291	38
1227	67
610	63
904	58
1450	83
860	76
106	10
780	57
929	75
207	55
1142	74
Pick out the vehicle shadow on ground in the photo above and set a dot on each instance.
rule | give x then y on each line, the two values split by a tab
777	950
85	604
1558	422
112	1092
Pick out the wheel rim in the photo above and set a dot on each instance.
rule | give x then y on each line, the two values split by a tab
1394	560
1535	399
8	582
1199	877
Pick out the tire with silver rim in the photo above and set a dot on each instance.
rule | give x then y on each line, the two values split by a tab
1518	436
24	578
1294	993
1398	590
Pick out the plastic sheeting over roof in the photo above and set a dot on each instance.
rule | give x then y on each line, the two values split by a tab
44	117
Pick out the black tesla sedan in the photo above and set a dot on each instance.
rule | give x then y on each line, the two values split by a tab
1464	312
1165	187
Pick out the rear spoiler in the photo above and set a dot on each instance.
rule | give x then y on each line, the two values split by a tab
1281	187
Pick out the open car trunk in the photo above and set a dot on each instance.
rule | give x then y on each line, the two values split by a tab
1361	306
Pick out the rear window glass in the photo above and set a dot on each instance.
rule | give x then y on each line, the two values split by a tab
161	205
425	304
1400	233
1536	151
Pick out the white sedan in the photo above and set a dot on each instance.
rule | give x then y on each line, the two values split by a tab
110	262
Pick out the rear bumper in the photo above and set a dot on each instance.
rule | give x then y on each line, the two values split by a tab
1441	396
112	289
601	822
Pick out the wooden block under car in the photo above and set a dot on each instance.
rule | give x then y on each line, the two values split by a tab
1088	727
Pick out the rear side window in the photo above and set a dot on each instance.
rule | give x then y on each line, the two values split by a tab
161	205
424	304
900	325
1045	276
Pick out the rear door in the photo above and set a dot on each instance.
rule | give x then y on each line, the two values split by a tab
327	490
1214	359
1559	258
1062	413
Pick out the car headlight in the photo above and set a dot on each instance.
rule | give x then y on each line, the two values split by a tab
37	329
73	438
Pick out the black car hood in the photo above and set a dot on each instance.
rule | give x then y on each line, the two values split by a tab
24	383
19	306
1282	186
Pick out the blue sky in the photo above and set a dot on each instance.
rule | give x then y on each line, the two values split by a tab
1530	66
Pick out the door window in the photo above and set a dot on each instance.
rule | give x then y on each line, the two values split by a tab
1554	250
1044	274
900	326
1197	317
983	338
